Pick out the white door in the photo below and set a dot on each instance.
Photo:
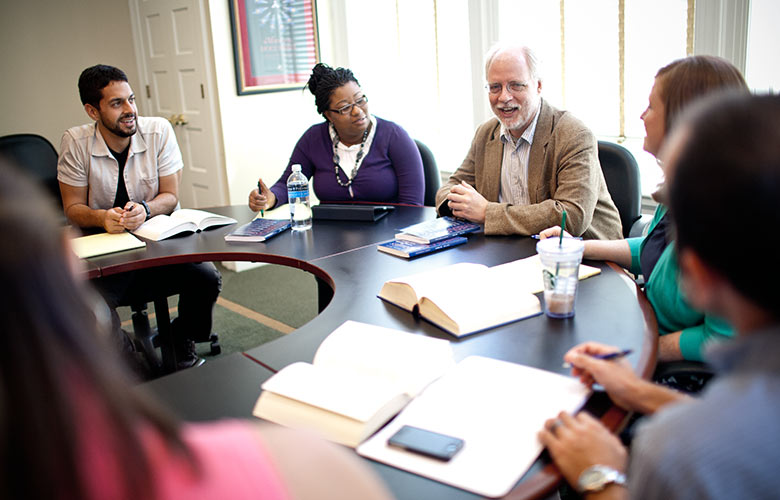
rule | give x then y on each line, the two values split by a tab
172	41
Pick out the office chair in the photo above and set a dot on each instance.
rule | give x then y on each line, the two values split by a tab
622	175
431	172
35	155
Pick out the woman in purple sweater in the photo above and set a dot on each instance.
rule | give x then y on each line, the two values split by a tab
353	155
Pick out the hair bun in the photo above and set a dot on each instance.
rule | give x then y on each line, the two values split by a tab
318	72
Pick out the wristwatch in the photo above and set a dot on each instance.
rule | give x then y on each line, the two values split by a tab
148	212
597	477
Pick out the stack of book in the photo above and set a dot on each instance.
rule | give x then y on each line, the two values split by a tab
429	236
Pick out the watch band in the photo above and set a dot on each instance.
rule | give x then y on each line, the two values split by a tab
148	212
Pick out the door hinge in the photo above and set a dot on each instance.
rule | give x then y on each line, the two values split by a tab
202	92
148	93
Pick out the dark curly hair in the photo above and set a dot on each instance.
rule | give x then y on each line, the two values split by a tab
324	80
94	79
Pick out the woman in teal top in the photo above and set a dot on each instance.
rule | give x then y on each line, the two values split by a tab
683	330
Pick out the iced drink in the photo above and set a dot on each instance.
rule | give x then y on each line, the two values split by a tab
560	268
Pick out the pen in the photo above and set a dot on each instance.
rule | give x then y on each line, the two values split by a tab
608	356
260	190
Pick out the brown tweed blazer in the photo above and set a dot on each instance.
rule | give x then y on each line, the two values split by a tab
563	173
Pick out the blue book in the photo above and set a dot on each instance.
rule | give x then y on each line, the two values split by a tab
437	230
258	230
409	249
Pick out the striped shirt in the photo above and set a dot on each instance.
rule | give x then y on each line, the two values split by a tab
514	166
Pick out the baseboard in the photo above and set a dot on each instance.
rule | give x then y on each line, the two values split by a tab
238	266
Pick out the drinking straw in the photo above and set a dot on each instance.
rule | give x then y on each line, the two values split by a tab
563	225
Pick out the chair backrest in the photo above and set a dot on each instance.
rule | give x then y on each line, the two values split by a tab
621	173
431	172
35	155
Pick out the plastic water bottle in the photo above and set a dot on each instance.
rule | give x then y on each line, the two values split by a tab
298	198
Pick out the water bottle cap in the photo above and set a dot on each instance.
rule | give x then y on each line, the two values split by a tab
296	168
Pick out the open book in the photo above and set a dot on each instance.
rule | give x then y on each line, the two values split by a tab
496	408
466	298
361	376
164	226
462	298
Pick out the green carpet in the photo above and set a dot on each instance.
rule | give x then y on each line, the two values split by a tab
281	293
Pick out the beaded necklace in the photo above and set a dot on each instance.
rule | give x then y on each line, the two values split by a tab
359	157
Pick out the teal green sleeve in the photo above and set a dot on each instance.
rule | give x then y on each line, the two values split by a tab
634	244
694	339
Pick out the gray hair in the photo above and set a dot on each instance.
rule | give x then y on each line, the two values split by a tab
530	57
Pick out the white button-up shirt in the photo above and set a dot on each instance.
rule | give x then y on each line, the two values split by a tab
85	161
514	166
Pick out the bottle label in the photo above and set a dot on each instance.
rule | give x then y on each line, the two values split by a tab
297	194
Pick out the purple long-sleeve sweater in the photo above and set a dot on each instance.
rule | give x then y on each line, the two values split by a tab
392	172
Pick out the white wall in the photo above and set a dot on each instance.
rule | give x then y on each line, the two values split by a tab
259	130
45	46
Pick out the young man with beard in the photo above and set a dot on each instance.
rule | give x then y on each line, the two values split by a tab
117	173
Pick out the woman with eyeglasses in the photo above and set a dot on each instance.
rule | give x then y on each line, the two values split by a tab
353	155
683	330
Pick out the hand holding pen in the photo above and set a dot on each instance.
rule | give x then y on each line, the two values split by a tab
605	365
261	198
132	216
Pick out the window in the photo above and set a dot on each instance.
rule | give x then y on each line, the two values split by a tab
580	43
412	59
416	60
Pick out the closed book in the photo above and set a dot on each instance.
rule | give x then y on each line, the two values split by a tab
409	249
185	220
104	243
436	230
362	375
258	230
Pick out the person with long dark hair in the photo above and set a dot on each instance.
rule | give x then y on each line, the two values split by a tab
351	156
71	425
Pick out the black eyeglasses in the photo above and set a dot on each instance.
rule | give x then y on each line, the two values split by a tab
345	110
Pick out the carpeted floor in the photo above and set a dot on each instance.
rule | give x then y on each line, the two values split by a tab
255	306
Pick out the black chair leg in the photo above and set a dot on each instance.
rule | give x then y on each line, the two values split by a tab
145	339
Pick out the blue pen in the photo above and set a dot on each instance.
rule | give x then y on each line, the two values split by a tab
608	356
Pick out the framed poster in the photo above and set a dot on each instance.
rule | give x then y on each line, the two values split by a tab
275	43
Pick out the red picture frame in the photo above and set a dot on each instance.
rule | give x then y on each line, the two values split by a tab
275	44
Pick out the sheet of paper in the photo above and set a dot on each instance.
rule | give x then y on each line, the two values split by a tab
282	212
526	274
497	408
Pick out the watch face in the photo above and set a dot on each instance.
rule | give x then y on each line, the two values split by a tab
593	478
597	477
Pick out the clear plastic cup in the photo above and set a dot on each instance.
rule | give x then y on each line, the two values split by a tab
560	270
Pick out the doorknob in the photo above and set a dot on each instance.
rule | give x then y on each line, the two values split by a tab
178	120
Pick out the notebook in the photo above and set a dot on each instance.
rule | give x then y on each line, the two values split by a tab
258	230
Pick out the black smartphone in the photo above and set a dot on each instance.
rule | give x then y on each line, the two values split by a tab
428	443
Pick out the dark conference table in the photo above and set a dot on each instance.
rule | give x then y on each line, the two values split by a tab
350	271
